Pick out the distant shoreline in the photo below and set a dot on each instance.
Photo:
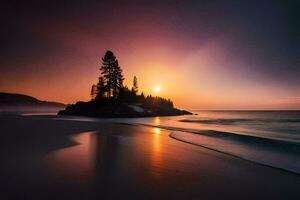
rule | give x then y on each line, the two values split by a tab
21	100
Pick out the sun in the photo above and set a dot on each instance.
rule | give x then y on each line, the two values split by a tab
157	89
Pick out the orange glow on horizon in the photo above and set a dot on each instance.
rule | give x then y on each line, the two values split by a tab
198	81
195	61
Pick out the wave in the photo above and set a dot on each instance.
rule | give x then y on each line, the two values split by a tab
241	120
280	154
279	158
230	135
277	153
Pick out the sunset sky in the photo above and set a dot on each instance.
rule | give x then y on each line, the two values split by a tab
202	54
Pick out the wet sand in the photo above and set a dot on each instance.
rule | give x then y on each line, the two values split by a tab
43	158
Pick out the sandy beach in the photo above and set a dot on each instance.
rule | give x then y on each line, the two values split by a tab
44	157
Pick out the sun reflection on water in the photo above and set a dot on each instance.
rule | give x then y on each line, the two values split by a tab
156	130
156	158
157	120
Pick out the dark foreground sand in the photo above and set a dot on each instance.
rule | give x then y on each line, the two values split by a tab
42	158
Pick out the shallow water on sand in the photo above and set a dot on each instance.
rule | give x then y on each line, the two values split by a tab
60	158
266	137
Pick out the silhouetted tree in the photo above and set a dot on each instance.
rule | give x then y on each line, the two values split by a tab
100	88
134	88
112	74
94	91
125	94
117	79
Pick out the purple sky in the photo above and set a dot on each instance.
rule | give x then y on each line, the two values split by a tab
228	55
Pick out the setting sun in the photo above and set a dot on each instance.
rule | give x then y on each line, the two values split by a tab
157	89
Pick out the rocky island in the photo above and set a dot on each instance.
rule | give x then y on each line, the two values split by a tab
110	98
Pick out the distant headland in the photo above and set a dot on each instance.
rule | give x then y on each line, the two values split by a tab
18	103
110	98
13	99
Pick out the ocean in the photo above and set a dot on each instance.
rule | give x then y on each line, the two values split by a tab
269	138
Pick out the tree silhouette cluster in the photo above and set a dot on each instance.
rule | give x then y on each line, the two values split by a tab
110	87
111	79
110	98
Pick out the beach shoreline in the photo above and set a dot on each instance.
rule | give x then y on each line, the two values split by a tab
132	161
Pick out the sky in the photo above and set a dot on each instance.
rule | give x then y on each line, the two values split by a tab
202	54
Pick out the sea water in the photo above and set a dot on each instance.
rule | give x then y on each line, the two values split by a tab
270	138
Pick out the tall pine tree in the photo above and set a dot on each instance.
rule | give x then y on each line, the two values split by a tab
134	88
112	74
94	92
100	88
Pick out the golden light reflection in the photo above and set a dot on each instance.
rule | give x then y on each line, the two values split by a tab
156	130
156	160
157	120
